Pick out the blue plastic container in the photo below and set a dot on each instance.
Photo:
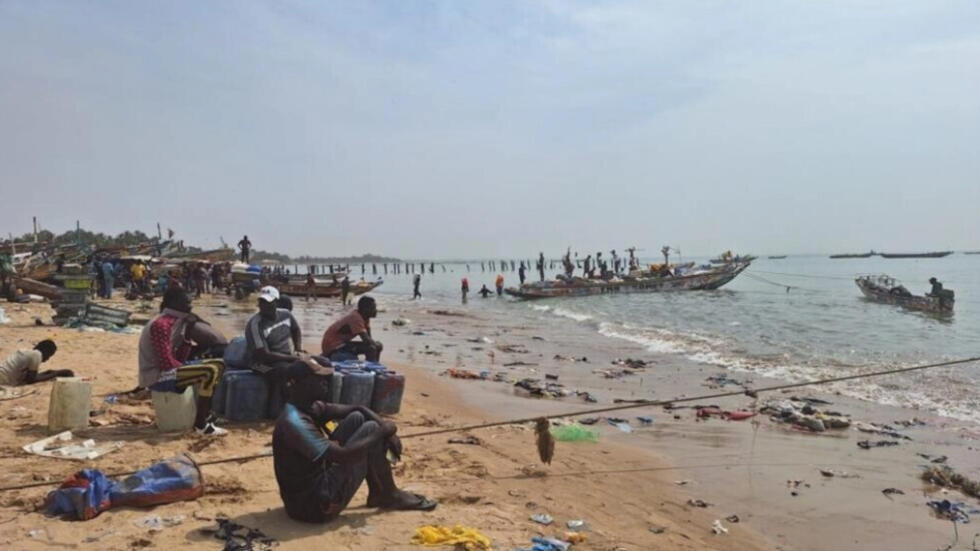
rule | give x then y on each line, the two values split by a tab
386	398
276	400
236	354
358	388
336	386
246	396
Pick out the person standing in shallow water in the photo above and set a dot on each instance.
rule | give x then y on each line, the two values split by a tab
464	288
541	265
520	273
416	282
500	284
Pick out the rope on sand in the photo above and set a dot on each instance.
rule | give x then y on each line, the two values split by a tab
633	405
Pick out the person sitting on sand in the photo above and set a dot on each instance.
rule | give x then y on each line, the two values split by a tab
318	473
338	340
484	292
164	349
21	367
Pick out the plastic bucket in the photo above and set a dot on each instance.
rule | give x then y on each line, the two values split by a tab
175	411
70	404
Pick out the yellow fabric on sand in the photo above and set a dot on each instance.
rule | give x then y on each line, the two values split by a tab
470	538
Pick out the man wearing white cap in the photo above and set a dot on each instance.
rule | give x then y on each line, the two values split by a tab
273	335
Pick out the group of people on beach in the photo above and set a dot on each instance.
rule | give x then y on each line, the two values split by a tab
318	471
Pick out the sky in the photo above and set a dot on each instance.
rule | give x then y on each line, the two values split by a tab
451	129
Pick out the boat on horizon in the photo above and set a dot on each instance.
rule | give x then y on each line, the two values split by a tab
936	254
696	280
854	255
777	257
887	290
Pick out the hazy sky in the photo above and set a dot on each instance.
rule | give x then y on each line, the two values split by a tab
449	129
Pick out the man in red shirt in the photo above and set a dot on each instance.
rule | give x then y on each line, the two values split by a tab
163	351
338	339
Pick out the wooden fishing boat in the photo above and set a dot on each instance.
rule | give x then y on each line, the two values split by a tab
859	255
324	288
887	290
578	287
938	254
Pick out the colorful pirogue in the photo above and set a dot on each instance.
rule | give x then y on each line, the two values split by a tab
638	281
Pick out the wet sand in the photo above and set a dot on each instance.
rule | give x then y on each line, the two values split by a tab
621	491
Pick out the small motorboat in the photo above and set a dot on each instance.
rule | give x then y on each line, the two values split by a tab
887	290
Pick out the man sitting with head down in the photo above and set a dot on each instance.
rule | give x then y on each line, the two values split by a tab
318	472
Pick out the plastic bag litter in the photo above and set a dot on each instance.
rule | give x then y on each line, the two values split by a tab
574	432
468	538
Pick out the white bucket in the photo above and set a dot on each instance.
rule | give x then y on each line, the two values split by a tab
175	412
70	404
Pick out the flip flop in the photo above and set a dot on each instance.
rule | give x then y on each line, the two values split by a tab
422	503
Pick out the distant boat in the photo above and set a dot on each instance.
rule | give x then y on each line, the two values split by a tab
778	257
971	252
938	254
858	255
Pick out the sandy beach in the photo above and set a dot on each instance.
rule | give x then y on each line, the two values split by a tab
631	489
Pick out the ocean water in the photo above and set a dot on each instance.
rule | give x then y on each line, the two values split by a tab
821	326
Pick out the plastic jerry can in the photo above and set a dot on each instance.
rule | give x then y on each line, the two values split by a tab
246	396
276	400
386	398
175	411
70	404
357	388
336	387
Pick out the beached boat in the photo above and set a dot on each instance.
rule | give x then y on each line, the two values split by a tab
886	290
697	280
328	288
858	255
938	254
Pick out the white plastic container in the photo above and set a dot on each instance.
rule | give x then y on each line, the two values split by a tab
175	412
70	404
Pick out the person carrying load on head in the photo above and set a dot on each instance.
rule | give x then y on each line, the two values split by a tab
319	472
21	367
338	340
164	349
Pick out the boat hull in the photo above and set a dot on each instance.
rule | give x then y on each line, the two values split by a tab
326	290
918	303
939	254
694	282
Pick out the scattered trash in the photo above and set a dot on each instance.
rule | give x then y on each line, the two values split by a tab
37	534
867	444
589	420
14	392
3	317
948	510
111	399
717	528
892	491
462	374
645	420
932	459
542	518
575	537
683	482
61	446
623	426
883	430
733	519
574	432
630	363
156	523
98	537
698	503
738	415
547	544
948	478
577	524
657	529
472	440
548	389
842	474
806	417
238	537
400	322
